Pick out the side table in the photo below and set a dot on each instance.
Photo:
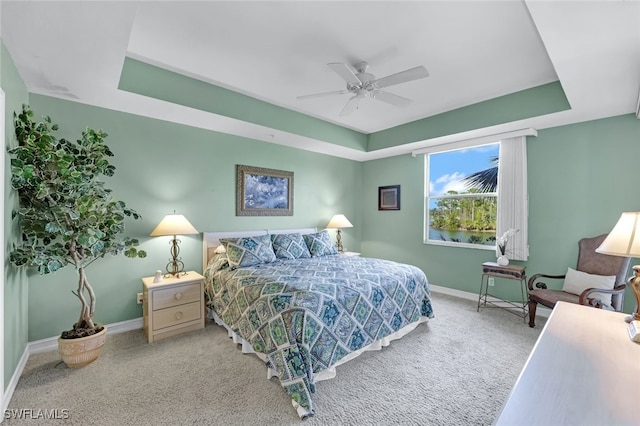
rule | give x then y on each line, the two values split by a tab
173	305
508	272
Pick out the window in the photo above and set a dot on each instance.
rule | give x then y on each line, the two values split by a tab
477	189
462	197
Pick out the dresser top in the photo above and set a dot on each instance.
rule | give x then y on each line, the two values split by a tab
583	370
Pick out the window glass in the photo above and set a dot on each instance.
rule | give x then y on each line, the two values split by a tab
462	197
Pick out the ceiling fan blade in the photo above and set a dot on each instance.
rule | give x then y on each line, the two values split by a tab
319	95
392	99
350	106
402	77
345	72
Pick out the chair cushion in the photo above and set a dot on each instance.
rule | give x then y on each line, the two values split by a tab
576	282
549	298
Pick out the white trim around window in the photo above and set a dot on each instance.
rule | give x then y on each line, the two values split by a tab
512	189
466	143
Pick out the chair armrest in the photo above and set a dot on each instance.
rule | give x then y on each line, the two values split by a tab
542	285
584	296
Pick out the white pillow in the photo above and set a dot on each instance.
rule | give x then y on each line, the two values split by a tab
576	282
220	249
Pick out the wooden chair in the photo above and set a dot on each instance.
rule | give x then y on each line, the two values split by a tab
590	262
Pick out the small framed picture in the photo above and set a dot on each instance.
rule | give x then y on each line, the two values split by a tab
389	197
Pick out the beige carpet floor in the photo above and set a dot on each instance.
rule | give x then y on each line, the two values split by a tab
457	369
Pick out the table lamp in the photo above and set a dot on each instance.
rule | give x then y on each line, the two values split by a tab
174	224
339	221
624	240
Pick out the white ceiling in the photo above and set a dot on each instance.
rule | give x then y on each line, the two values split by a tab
275	51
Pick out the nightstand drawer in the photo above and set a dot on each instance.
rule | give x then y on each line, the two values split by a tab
176	315
176	296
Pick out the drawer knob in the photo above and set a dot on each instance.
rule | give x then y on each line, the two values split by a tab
178	315
178	296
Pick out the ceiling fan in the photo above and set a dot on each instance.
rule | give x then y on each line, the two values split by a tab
365	85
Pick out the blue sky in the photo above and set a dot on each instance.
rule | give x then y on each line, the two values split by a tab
447	169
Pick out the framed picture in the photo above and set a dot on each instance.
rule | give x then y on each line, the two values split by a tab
389	197
263	192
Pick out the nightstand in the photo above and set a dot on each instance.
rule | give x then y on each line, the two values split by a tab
172	306
350	253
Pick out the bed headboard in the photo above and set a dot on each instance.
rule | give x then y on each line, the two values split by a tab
211	240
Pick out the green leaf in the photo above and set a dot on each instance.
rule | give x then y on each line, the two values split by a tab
54	265
97	248
51	227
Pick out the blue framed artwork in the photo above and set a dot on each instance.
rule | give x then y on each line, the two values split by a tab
263	192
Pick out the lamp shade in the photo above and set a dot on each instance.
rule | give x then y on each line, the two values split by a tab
624	239
339	221
173	224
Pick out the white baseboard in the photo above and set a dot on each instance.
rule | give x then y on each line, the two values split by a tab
11	387
542	311
50	344
453	292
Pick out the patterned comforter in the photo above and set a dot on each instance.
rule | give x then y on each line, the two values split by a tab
307	314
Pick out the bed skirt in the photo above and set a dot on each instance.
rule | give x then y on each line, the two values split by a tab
327	374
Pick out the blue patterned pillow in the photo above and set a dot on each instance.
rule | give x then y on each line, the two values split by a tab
319	244
248	251
289	246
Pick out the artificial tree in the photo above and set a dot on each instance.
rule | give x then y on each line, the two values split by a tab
66	214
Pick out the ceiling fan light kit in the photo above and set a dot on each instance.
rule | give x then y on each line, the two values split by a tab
362	84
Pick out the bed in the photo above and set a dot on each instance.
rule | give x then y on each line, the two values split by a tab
290	298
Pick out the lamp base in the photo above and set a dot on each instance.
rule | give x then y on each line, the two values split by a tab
339	242
634	283
175	267
174	274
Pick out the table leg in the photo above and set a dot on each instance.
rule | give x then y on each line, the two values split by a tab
523	291
480	293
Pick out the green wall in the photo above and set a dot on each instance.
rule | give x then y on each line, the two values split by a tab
161	166
533	102
15	282
149	80
581	177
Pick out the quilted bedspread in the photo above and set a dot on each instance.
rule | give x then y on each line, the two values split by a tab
307	314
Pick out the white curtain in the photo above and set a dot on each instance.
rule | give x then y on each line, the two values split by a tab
513	196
